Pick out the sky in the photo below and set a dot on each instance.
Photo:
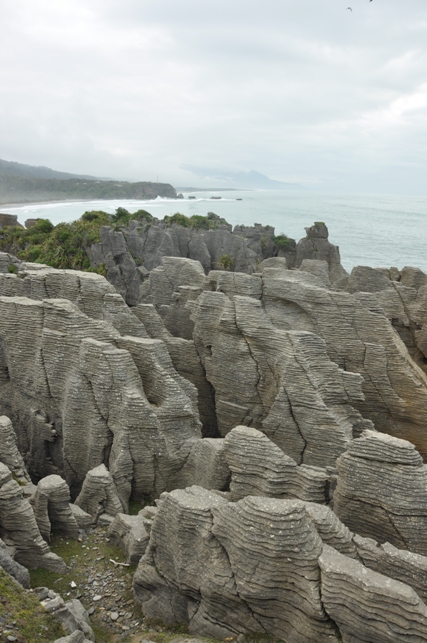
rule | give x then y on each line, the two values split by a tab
304	91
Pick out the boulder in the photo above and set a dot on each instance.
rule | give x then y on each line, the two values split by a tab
52	508
260	468
367	606
71	615
14	569
19	528
381	491
227	574
9	453
99	494
129	533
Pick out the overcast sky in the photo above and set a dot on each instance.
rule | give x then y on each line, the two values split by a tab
301	90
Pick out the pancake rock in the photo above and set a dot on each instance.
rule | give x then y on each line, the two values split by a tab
359	341
282	383
80	395
316	246
19	530
214	565
404	566
9	453
99	494
382	491
52	508
260	468
367	606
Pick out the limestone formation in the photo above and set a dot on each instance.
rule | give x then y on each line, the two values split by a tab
129	533
317	246
282	383
382	491
9	453
368	607
404	566
214	565
207	465
76	637
74	389
14	569
19	530
52	508
99	494
260	468
359	341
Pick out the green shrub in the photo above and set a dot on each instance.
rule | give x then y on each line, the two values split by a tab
12	268
225	262
284	242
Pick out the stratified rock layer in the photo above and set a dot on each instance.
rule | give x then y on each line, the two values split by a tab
382	491
215	565
368	607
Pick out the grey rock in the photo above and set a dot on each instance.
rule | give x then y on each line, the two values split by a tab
382	491
282	383
71	615
76	637
316	246
99	494
394	390
129	533
13	568
367	606
83	519
404	566
260	468
207	465
62	367
9	453
18	525
52	508
214	575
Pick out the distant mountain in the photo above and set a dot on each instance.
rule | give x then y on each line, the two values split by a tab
10	168
252	179
21	183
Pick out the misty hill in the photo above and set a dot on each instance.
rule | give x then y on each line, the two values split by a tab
21	183
252	179
11	168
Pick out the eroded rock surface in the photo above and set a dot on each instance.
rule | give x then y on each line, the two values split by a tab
382	491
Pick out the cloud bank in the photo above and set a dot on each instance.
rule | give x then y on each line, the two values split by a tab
305	92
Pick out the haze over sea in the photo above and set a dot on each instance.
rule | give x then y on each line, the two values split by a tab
377	231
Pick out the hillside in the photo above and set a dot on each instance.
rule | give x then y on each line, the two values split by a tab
21	183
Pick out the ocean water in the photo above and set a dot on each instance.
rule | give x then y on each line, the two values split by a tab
377	231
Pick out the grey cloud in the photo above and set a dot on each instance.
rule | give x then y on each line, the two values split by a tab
302	91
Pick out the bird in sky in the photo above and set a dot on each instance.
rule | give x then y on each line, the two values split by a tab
350	9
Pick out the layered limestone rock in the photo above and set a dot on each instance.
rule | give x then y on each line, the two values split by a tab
19	530
402	298
52	508
382	491
99	494
404	566
207	465
359	341
9	453
214	565
259	468
282	383
316	246
367	606
74	389
187	363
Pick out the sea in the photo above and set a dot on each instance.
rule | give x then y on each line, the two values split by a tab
377	231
